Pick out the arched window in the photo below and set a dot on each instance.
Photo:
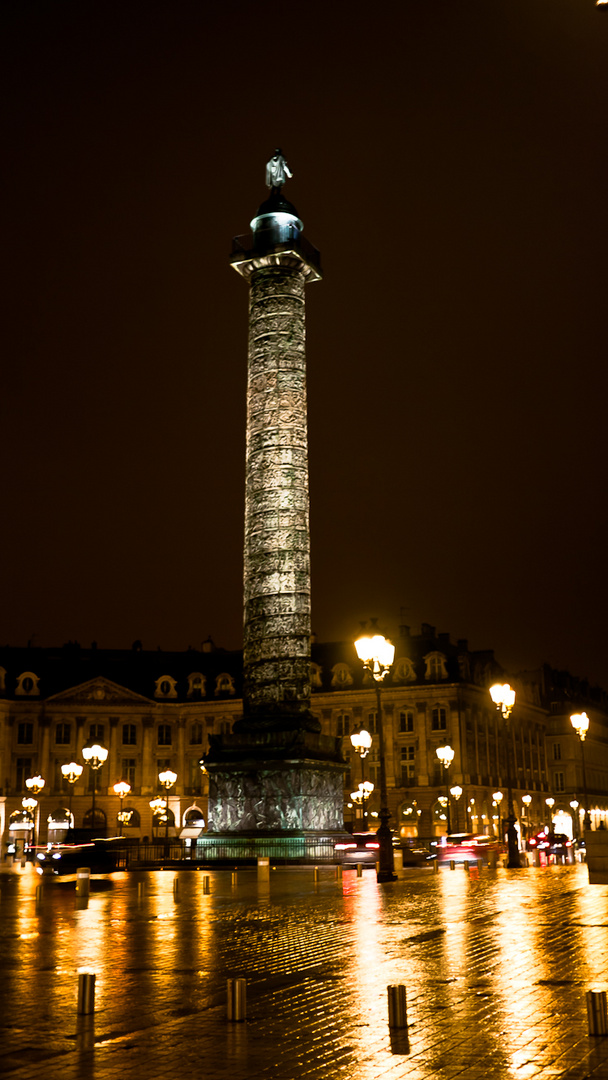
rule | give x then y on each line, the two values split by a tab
166	687
435	667
27	685
341	676
224	684
196	685
100	819
403	671
316	680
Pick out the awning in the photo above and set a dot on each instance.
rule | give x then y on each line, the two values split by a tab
191	832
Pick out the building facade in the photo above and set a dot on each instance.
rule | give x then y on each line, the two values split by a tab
155	710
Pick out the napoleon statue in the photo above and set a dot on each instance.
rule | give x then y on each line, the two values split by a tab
277	171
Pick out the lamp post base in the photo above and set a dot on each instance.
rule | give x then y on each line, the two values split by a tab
513	862
386	866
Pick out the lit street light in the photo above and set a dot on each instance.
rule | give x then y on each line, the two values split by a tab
550	803
503	697
122	789
377	654
527	799
361	742
360	797
71	773
35	785
167	779
574	804
94	756
498	797
456	792
446	757
580	723
30	805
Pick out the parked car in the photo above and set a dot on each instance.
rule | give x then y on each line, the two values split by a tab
363	848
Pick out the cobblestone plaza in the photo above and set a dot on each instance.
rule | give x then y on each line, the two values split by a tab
496	966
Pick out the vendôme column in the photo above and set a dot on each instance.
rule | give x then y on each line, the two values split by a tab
276	775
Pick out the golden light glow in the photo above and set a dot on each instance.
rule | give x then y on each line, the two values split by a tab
580	723
445	755
122	789
503	697
361	742
167	778
376	654
94	755
72	771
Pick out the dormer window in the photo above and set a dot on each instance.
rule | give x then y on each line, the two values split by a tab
435	667
315	677
166	687
404	671
341	676
196	685
224	684
27	685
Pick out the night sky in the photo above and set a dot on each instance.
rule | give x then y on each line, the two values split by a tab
450	163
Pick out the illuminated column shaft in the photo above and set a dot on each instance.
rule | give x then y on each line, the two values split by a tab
277	546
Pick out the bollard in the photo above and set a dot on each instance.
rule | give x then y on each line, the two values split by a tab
141	888
206	881
397	1007
175	887
236	999
264	867
359	869
338	871
398	859
315	873
38	895
436	866
452	864
83	879
596	1012
234	877
466	865
492	860
86	992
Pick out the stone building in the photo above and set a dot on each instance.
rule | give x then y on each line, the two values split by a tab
154	710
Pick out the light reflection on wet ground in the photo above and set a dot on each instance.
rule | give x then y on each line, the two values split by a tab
496	966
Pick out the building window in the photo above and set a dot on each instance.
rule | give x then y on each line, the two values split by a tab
408	763
315	677
165	687
27	685
162	764
25	734
406	720
96	732
224	684
558	781
341	676
24	771
343	724
196	685
129	735
63	734
128	770
196	777
435	667
224	727
164	735
196	734
438	719
404	671
372	722
557	751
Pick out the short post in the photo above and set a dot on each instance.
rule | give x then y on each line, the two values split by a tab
234	877
236	999
38	895
397	1007
86	992
176	888
83	879
398	859
359	869
141	888
315	873
264	868
596	1012
436	866
466	865
206	881
452	864
338	871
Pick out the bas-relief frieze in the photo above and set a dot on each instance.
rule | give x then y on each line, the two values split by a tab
275	799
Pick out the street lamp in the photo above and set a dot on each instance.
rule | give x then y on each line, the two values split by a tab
167	779
71	773
527	799
550	803
498	797
446	757
157	806
35	785
574	804
377	654
29	805
503	697
361	743
456	792
580	723
122	789
94	756
360	797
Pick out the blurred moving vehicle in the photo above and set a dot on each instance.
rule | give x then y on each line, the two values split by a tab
466	847
100	856
414	852
363	848
551	843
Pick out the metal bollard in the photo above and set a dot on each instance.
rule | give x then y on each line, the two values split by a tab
436	866
397	1007
315	873
452	864
175	887
359	869
264	867
236	999
338	871
83	879
234	877
466	865
141	888
86	992
206	881
597	1014
39	891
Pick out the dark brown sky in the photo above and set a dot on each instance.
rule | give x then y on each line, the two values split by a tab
450	163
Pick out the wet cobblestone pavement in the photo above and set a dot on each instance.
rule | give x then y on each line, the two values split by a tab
496	967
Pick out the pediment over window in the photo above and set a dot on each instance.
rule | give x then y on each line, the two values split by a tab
99	691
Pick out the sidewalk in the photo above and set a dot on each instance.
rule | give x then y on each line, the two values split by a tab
496	967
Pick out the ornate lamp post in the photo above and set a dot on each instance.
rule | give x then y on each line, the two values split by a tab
446	757
122	789
94	756
456	792
361	742
503	697
360	797
550	803
498	797
157	806
29	805
167	779
35	785
527	799
580	723
71	773
377	654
